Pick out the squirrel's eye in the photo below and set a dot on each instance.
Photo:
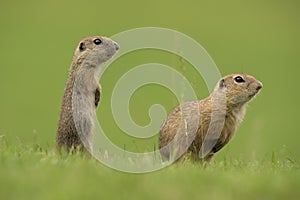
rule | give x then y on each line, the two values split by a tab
97	41
239	79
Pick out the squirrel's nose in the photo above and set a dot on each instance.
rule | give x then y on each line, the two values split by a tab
116	46
260	85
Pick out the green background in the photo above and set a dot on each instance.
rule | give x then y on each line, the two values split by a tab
260	38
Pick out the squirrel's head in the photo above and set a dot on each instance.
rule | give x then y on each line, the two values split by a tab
239	88
95	50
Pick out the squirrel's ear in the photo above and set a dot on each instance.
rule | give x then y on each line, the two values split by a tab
222	83
81	46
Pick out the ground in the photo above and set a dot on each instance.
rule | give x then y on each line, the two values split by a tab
35	172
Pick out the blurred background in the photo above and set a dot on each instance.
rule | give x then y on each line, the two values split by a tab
260	38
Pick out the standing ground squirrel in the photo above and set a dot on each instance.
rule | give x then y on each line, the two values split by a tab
212	120
82	92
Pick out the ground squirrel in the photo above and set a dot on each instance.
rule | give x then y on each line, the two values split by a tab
213	119
82	92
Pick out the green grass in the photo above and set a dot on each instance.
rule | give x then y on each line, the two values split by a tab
35	172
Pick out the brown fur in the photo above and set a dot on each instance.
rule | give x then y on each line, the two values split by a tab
188	124
82	90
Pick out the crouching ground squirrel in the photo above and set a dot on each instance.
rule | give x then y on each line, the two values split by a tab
82	92
202	128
